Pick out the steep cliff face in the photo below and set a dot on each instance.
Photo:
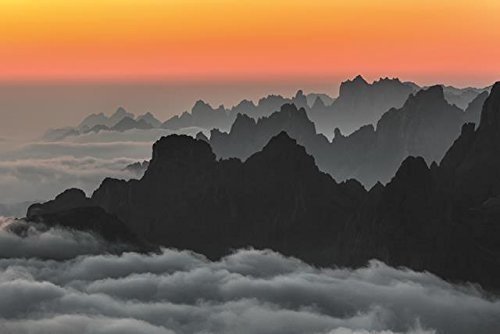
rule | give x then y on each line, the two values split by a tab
474	108
445	218
425	126
188	199
472	163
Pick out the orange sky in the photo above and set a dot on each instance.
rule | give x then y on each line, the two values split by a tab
454	41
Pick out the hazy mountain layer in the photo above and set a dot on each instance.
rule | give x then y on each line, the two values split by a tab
120	120
359	103
425	125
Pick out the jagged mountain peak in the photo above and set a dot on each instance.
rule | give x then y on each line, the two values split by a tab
120	111
282	139
412	167
181	148
299	94
201	104
291	109
201	136
150	119
337	134
356	83
284	150
359	79
245	104
432	93
243	122
387	80
318	103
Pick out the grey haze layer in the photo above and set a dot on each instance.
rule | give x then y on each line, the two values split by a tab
359	103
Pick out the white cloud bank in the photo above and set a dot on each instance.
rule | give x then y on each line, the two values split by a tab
37	171
247	292
42	179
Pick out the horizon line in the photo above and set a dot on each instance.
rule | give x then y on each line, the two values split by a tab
292	80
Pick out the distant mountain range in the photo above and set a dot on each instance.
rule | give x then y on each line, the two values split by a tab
442	218
359	103
120	120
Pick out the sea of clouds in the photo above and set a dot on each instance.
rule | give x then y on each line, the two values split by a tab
38	170
59	281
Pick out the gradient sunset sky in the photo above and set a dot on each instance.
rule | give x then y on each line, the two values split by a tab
451	41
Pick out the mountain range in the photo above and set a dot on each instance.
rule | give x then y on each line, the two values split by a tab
120	120
425	125
359	103
442	218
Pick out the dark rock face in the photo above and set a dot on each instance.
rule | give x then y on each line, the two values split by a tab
67	200
476	170
188	199
91	219
72	209
444	219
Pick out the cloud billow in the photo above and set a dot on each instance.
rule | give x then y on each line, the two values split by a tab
249	291
42	179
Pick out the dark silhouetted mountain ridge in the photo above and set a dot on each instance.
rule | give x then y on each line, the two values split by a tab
443	218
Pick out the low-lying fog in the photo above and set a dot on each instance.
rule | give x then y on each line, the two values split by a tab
39	170
59	281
